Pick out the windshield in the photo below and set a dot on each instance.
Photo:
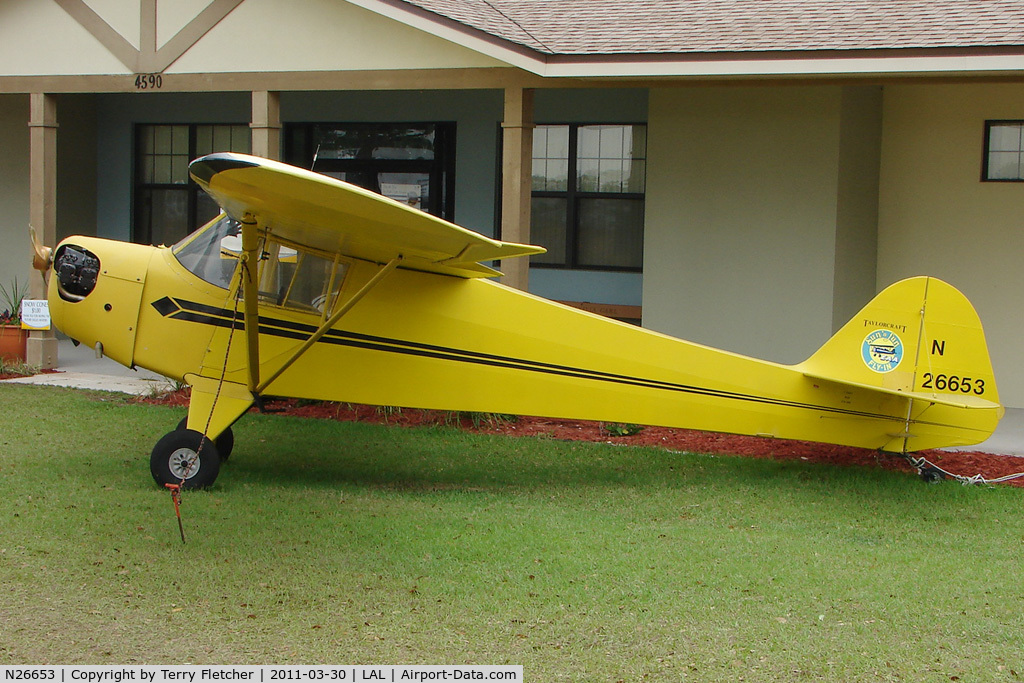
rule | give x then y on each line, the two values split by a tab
287	276
211	252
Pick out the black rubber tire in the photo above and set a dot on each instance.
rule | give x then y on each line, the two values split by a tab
225	442
172	455
931	475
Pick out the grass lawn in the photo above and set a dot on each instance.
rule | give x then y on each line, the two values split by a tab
339	543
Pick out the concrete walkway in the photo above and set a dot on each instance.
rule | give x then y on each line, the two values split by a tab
1008	438
79	368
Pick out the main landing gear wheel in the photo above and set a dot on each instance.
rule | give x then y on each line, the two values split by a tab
186	455
931	474
225	442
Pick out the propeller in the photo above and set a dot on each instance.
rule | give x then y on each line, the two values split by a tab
41	255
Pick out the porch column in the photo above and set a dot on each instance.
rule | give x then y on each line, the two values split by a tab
516	181
41	349
266	124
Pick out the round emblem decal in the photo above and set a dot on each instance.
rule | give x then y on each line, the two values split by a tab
882	350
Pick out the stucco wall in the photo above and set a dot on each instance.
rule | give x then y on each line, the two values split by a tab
936	217
744	212
40	38
319	35
14	209
856	249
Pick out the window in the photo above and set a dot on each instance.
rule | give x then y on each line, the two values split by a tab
413	163
588	195
168	205
1004	151
302	279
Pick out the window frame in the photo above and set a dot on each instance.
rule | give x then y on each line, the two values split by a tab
573	196
986	150
192	190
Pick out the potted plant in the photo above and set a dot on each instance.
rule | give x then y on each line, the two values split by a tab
12	337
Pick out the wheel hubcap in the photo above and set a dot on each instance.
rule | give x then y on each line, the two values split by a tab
184	463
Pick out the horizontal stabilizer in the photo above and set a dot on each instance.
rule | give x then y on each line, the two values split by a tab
956	400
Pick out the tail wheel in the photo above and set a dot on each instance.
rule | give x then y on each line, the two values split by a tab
225	442
185	456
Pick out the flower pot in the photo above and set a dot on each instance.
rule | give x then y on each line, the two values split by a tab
12	343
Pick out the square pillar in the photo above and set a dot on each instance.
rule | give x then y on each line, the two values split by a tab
266	124
41	349
516	181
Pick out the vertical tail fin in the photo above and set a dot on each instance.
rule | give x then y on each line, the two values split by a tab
920	340
919	336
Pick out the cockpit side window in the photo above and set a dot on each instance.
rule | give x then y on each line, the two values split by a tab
301	279
207	252
288	276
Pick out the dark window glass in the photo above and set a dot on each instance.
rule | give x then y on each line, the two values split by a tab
372	141
547	228
614	234
165	215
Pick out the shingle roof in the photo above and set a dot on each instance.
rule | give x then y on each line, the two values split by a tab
623	27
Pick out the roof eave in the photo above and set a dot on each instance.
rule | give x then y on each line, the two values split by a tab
839	63
512	53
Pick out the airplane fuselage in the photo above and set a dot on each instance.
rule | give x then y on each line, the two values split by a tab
449	343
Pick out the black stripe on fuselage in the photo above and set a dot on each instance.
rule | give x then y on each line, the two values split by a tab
180	309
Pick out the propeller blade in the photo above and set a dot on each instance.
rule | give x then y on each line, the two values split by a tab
41	254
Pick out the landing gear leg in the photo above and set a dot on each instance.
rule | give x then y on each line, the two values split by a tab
188	454
225	441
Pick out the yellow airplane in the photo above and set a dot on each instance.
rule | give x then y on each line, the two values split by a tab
309	287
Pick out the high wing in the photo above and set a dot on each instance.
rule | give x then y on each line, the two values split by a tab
333	216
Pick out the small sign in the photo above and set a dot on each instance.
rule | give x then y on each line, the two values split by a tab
35	314
404	193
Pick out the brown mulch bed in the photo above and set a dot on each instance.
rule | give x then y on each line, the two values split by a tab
967	464
12	375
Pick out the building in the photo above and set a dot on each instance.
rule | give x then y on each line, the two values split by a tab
742	174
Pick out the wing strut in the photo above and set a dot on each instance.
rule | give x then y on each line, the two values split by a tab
330	322
250	298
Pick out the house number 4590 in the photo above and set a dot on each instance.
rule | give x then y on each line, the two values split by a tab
149	81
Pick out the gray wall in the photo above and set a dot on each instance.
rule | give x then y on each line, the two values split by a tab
77	169
14	208
76	178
